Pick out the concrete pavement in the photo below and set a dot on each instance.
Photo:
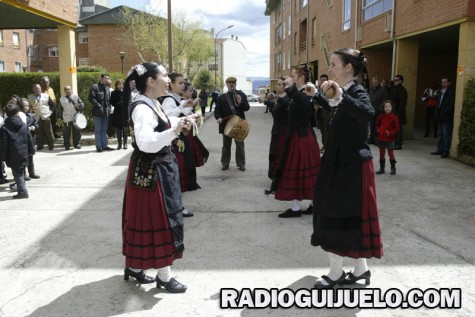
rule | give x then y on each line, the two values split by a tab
61	248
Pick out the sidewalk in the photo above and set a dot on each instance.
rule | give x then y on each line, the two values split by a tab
61	248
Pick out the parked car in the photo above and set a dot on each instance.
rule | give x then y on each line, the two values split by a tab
252	98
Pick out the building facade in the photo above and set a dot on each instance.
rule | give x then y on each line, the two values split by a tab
422	40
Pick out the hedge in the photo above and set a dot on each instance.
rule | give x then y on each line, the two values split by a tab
466	144
21	84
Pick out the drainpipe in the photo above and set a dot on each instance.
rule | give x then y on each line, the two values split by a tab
393	22
356	25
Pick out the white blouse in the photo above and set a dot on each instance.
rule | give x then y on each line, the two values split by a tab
145	121
172	110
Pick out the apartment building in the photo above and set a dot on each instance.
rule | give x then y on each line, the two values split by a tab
14	50
424	40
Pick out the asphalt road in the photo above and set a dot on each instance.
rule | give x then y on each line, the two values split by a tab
61	248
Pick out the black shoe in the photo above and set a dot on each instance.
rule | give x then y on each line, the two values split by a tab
125	147
77	147
140	277
435	153
108	149
444	156
99	150
398	147
352	279
20	196
173	286
224	168
242	168
119	147
27	178
35	176
67	148
3	181
188	214
308	211
289	213
331	283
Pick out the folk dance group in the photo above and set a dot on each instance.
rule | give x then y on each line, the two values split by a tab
341	183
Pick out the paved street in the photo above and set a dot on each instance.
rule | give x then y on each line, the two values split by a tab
61	248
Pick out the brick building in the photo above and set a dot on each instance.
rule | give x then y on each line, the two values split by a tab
19	18
423	40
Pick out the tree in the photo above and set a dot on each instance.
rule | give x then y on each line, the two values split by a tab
148	33
203	79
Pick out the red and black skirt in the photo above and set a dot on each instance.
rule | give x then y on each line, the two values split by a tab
276	151
152	237
301	163
200	153
186	164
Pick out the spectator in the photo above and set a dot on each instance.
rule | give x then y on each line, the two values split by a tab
45	88
398	95
203	100
430	100
214	98
42	107
32	125
377	94
99	97
71	105
119	119
445	117
386	126
16	144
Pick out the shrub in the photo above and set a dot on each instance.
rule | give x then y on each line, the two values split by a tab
21	84
467	122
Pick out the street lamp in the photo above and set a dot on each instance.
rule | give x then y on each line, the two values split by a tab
122	55
216	54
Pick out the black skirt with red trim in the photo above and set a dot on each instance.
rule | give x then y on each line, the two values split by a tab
200	153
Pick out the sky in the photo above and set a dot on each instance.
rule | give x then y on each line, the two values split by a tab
250	24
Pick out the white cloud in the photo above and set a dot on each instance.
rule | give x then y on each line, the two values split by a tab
247	16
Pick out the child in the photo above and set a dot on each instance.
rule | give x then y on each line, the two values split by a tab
32	125
16	144
387	126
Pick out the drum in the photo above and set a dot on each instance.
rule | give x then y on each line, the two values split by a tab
237	128
80	121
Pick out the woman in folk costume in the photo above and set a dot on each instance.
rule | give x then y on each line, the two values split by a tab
295	178
200	153
174	106
279	111
345	222
152	220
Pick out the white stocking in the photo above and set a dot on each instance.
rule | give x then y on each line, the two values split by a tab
296	205
336	267
165	274
360	267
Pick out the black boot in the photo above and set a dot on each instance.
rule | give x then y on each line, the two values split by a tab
382	164
393	167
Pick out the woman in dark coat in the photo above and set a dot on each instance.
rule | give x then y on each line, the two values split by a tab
279	110
119	118
295	178
345	212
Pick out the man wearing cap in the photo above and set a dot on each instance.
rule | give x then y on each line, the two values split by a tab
233	102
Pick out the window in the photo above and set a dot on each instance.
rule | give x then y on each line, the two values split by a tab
16	40
32	52
83	37
290	26
53	51
3	67
1	37
288	59
18	68
283	61
278	34
372	8
83	61
314	31
303	3
346	14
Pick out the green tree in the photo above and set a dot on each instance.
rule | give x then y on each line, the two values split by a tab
149	33
203	79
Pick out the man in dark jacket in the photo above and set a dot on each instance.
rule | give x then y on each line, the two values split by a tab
377	95
16	144
445	117
214	98
99	97
398	96
233	102
203	100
